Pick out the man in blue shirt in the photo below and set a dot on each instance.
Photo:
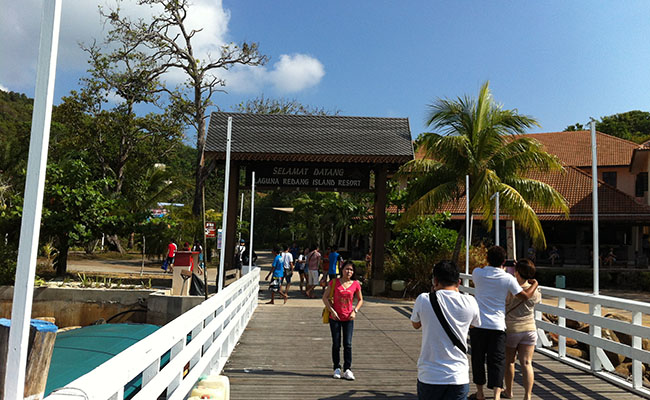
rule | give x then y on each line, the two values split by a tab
335	263
277	269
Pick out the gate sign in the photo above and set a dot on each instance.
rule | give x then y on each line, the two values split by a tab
210	229
334	177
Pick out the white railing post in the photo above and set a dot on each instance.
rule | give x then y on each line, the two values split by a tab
637	367
561	321
594	331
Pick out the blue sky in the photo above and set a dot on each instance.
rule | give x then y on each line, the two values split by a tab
558	61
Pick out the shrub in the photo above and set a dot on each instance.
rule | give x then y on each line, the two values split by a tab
416	248
8	256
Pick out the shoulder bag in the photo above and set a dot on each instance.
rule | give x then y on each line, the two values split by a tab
326	311
444	323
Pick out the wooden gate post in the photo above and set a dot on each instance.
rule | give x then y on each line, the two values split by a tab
41	343
231	223
378	284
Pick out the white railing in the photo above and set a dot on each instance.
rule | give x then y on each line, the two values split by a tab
598	364
167	363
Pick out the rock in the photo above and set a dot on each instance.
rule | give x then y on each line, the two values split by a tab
615	359
549	318
624	370
622	337
570	342
577	353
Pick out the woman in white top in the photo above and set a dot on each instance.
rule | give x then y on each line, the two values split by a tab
521	332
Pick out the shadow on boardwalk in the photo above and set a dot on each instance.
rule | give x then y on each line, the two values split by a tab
285	354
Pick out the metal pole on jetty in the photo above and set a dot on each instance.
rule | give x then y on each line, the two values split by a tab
250	241
594	197
467	234
205	246
224	215
14	382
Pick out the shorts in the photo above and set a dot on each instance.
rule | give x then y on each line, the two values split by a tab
313	277
287	276
513	340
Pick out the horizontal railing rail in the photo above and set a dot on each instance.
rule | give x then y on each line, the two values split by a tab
167	363
599	364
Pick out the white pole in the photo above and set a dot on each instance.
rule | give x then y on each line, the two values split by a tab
497	241
594	196
241	214
250	241
467	234
224	215
21	309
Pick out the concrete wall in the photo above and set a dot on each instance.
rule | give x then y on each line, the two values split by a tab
162	308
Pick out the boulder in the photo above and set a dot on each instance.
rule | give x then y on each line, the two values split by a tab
570	342
615	359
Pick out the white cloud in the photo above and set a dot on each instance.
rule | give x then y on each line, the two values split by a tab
80	22
292	73
4	88
296	72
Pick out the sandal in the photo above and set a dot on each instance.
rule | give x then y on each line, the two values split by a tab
473	396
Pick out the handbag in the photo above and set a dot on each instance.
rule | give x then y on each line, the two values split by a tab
326	311
444	323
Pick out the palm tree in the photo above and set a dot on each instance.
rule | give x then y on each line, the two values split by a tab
480	139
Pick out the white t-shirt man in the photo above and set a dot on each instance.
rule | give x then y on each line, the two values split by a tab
492	286
287	259
441	362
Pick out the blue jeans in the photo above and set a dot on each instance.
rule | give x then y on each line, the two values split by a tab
442	392
347	327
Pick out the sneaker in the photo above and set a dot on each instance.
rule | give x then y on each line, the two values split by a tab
337	373
348	375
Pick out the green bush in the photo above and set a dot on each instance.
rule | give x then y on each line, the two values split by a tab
8	256
416	248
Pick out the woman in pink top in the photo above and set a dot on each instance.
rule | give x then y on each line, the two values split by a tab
342	315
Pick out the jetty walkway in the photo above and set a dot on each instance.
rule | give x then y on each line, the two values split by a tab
284	353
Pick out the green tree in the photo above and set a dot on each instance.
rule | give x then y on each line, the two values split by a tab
171	39
264	105
75	207
481	139
631	125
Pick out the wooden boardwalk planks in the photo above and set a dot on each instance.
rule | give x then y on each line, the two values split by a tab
285	354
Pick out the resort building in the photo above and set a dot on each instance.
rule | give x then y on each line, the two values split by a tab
623	201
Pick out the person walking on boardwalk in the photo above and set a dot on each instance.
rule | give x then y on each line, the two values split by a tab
287	259
277	270
334	263
488	338
339	300
301	266
171	253
521	332
443	369
313	271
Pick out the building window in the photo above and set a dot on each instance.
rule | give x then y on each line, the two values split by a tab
641	185
610	178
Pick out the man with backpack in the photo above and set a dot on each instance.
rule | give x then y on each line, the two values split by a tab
445	316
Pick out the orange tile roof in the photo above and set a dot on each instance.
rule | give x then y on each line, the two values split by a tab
574	148
575	186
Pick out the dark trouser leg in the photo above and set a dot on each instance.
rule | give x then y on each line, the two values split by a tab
496	358
478	340
442	392
335	328
348	328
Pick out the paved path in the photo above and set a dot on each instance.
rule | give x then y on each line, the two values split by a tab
285	354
